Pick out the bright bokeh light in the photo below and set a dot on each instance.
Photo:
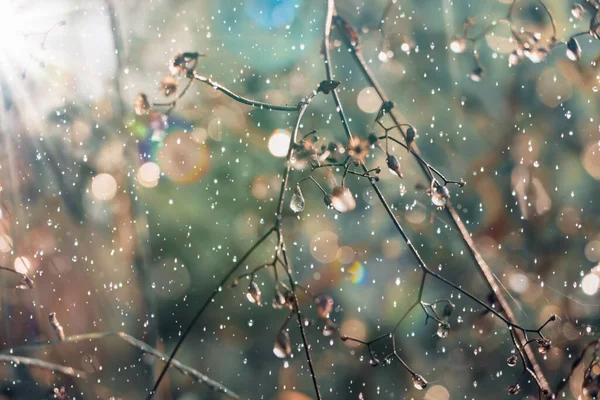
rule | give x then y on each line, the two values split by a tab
22	264
148	174
9	24
104	187
590	284
6	243
279	143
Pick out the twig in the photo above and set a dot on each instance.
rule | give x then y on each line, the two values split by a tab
281	246
137	344
203	308
482	266
244	100
16	360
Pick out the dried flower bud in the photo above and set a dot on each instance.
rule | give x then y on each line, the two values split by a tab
253	294
282	347
279	300
448	309
141	105
537	55
373	140
573	49
440	196
26	283
591	383
419	382
58	329
477	74
327	86
324	305
333	147
514	389
577	11
342	199
458	44
358	149
512	360
443	330
411	135
544	345
168	85
179	63
289	299
394	165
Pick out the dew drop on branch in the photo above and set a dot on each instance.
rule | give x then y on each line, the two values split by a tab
297	203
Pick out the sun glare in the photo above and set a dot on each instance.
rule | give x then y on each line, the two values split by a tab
9	24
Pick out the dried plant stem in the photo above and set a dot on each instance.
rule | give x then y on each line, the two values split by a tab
134	343
244	100
203	308
563	384
16	360
483	268
281	244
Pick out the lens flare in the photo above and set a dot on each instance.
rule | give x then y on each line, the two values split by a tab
357	272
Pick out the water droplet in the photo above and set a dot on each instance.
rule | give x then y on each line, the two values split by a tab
297	202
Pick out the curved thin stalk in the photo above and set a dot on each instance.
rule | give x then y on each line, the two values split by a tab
203	308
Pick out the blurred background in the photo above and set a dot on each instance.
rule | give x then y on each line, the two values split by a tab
125	223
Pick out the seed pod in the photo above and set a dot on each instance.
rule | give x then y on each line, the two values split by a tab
141	105
327	86
373	140
26	283
514	389
342	199
279	300
443	330
419	382
168	85
411	135
573	49
394	165
477	74
282	347
58	329
544	345
448	309
333	147
577	11
253	295
537	55
440	196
